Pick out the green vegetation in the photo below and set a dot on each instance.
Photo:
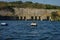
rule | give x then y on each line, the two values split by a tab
55	16
28	4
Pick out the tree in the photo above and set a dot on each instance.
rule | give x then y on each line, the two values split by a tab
54	15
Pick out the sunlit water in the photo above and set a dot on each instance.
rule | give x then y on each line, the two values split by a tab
22	30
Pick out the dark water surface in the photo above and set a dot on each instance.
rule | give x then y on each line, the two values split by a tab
22	30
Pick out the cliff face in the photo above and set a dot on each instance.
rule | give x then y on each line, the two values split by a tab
35	13
21	11
28	13
27	10
5	13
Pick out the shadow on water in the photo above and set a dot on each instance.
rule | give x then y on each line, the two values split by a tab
12	38
45	38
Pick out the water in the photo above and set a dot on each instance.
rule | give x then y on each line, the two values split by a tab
22	30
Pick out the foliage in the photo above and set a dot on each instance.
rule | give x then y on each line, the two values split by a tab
55	16
28	4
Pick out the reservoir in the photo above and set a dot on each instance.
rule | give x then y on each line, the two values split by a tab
22	30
